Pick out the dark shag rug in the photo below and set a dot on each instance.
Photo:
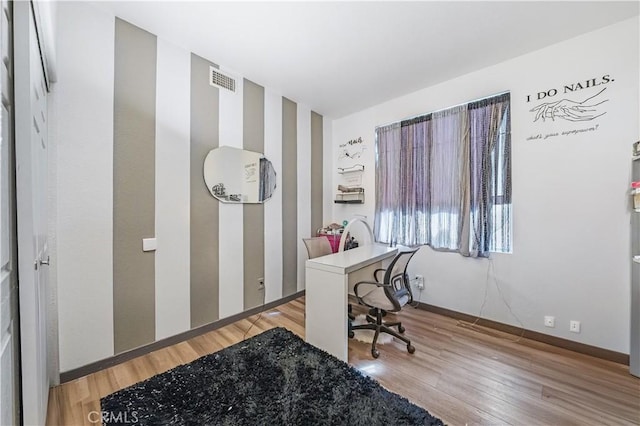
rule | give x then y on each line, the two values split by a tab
274	378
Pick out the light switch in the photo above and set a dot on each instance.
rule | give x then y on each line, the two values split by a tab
149	244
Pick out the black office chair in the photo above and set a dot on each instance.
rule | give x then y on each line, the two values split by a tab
387	295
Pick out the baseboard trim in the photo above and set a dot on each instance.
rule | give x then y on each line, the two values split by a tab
76	373
582	348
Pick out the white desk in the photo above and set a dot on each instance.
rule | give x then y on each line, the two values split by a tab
328	280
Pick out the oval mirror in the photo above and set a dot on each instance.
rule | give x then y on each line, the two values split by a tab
235	175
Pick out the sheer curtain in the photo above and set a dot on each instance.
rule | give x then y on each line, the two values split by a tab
490	181
414	194
443	179
388	151
448	179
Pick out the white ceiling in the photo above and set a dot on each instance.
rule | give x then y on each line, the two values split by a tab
342	57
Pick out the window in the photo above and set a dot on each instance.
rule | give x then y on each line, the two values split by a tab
444	179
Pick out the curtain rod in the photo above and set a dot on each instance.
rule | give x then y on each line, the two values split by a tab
442	109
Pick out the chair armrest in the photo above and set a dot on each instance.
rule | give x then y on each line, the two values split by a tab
375	274
357	288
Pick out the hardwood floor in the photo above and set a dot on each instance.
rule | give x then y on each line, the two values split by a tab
461	374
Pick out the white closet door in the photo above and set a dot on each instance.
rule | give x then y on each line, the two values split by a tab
31	191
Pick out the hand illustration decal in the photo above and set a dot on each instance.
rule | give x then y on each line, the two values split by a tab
347	154
353	153
569	110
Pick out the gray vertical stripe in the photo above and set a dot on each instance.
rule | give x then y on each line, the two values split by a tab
289	197
133	186
204	208
316	172
253	214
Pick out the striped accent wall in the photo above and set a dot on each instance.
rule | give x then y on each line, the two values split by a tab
316	172
253	217
134	125
84	199
289	197
303	170
273	211
204	209
231	273
210	255
173	186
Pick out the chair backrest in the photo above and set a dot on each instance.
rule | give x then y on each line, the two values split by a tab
396	275
317	246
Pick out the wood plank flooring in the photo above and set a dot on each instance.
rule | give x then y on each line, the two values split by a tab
462	374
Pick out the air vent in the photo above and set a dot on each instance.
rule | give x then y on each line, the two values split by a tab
217	79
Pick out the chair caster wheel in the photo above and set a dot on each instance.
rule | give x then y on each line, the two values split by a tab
375	353
351	334
411	349
401	329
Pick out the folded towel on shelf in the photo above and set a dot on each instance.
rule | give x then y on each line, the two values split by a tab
349	189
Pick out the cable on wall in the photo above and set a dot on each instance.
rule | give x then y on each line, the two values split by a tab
264	292
491	268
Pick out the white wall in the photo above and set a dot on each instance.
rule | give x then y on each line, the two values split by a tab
173	115
230	289
83	134
273	207
303	144
571	243
327	170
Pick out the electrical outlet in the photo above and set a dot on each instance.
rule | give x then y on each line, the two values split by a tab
420	282
574	326
549	321
260	283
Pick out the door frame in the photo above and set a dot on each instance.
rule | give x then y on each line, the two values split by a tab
8	173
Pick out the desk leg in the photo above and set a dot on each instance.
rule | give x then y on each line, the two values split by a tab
326	312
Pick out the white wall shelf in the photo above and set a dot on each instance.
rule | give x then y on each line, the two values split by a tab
355	197
352	169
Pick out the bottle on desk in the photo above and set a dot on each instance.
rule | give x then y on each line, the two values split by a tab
350	244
